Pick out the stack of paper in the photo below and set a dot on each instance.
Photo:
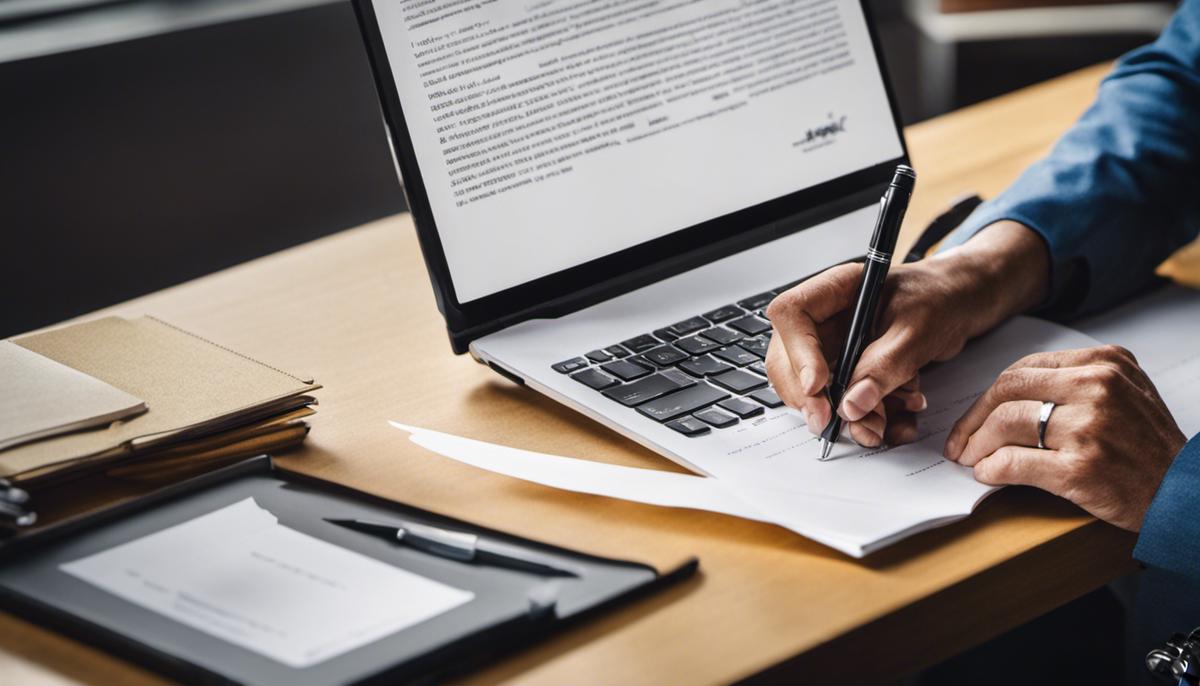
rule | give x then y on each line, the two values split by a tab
203	402
43	398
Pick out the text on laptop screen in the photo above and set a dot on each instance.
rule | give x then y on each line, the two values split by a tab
550	133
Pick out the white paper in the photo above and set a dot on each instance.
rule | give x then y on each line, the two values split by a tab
851	526
549	134
767	469
1163	331
238	575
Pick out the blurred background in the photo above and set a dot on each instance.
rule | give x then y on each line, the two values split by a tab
147	142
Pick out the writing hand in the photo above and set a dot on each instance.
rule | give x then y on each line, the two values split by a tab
929	310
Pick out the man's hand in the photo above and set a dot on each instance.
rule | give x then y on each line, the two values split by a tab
1108	443
929	310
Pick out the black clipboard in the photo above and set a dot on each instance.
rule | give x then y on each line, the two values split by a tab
509	610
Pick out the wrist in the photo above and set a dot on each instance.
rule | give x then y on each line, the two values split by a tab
1006	271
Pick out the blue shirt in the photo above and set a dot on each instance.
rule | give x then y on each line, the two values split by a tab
1119	192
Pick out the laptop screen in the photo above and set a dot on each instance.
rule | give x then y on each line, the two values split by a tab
550	133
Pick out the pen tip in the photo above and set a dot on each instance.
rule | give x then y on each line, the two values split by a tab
826	448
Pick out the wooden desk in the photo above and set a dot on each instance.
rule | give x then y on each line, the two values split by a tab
356	311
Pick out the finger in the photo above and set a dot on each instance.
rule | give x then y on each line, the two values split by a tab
796	313
868	431
1055	385
1113	355
901	423
1012	423
886	364
1012	465
779	370
912	401
1109	356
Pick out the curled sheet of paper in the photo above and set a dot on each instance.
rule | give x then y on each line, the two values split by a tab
852	526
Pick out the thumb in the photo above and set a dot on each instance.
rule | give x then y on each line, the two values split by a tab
886	365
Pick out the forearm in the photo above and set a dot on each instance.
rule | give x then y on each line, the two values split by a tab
1004	269
1117	194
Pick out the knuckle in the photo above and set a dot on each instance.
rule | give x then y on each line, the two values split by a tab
1118	353
782	304
1104	381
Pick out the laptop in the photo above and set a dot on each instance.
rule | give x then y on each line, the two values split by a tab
609	193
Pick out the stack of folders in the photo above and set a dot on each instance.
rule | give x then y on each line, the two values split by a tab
138	399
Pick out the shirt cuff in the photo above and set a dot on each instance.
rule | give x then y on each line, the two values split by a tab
1170	537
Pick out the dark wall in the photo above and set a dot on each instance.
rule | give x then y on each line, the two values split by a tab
130	167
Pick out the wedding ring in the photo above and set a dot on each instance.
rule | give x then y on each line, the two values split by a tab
1043	421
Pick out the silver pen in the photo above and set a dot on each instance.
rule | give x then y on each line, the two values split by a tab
459	545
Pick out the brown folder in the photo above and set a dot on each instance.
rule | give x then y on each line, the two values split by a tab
193	388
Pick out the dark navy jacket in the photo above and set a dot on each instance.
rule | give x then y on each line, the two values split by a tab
1116	196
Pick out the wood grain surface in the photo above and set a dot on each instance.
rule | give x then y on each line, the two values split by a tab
356	312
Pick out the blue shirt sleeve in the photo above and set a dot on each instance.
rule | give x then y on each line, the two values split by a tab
1170	536
1120	191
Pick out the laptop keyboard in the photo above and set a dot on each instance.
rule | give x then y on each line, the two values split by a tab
702	373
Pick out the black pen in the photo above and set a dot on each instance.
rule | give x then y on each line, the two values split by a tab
892	207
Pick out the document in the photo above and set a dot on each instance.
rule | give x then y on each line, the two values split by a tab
1162	330
767	469
560	131
240	576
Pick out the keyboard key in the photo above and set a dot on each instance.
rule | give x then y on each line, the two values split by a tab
742	407
666	356
689	325
642	390
599	356
757	302
697	345
594	378
739	381
758	367
718	418
571	365
723	313
757	345
690	426
617	351
640	344
750	325
682	402
704	366
767	397
721	335
736	356
678	377
625	370
665	334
